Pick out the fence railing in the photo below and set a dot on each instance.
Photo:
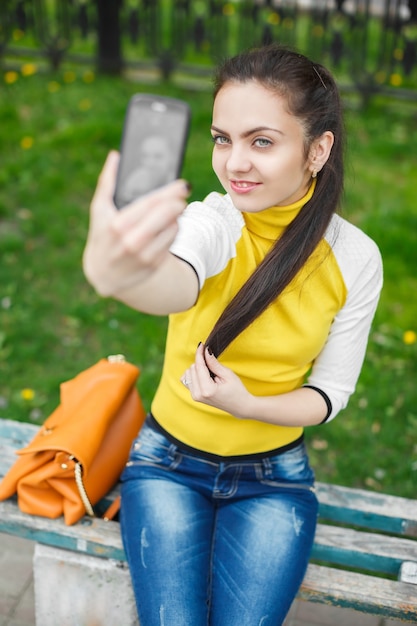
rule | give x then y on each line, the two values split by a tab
371	45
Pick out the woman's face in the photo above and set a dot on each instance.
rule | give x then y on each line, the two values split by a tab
258	153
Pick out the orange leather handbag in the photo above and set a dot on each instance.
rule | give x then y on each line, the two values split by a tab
80	451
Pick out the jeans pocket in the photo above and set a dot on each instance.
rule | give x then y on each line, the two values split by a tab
290	469
151	448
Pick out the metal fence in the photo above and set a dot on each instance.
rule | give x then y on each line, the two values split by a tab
371	45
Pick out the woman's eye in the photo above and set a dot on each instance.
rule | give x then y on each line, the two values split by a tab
261	142
220	139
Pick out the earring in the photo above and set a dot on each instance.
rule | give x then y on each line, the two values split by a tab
314	174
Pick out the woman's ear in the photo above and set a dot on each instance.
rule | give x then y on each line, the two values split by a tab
320	152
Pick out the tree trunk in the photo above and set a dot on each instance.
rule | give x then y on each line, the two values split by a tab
109	54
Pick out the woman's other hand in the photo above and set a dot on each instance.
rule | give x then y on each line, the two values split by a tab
212	383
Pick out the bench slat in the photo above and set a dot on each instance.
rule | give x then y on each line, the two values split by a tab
20	432
361	550
7	457
335	545
364	593
13	435
91	536
360	507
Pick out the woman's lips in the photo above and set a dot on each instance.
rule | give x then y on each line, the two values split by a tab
243	186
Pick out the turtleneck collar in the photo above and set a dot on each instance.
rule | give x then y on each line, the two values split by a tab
270	223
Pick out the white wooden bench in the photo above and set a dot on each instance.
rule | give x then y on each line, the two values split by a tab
364	558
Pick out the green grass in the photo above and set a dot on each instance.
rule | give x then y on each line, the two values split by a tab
55	132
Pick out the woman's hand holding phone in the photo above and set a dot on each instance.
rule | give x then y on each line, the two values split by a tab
127	252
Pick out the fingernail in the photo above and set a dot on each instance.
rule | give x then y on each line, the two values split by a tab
209	350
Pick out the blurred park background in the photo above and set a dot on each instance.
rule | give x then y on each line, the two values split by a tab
67	71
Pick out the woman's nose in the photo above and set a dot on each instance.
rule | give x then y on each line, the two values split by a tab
238	160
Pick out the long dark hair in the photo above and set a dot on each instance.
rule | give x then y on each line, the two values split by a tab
313	98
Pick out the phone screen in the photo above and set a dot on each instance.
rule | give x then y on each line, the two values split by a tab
153	145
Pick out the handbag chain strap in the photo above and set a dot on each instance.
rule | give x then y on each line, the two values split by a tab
78	469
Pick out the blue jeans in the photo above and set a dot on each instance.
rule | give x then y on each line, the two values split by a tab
215	543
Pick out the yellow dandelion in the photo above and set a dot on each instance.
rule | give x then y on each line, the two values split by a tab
228	9
28	69
53	86
11	77
395	80
18	34
371	482
409	337
69	76
318	30
89	76
398	54
274	19
26	143
27	394
85	104
381	77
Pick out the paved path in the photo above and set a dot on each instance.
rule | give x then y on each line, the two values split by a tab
17	597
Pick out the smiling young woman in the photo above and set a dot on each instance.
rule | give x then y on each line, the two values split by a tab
270	296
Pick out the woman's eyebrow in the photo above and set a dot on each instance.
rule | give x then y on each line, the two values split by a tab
250	132
218	130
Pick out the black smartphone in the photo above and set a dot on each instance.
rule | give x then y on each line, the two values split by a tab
153	145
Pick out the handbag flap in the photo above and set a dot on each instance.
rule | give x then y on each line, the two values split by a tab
90	401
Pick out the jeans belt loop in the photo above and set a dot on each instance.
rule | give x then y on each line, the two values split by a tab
267	467
172	452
